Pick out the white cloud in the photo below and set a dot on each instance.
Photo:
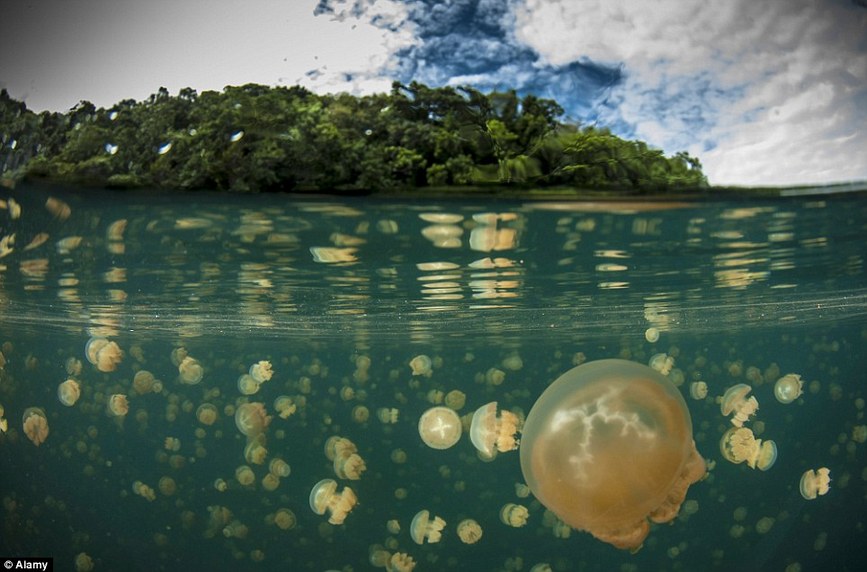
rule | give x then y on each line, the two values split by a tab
762	92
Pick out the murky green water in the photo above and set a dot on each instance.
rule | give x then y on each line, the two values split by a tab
740	293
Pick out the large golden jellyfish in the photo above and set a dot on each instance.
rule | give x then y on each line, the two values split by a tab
608	446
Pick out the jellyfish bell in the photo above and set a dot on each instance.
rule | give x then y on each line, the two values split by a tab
469	531
735	402
324	497
190	371
35	425
608	446
788	388
423	527
68	392
491	433
117	405
815	483
252	419
439	427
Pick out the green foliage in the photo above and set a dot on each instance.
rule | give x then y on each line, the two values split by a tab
256	138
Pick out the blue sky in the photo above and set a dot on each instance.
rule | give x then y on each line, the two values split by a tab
771	92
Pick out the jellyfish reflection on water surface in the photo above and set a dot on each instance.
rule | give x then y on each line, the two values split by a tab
608	446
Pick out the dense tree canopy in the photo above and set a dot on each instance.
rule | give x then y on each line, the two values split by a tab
259	138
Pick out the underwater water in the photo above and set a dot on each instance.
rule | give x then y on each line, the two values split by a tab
340	295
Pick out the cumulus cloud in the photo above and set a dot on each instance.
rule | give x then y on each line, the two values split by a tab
763	92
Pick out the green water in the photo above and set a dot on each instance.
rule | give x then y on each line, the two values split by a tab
740	293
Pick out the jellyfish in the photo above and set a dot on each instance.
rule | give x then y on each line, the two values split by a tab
35	425
469	531
439	427
83	562
144	491
788	388
285	519
190	371
490	433
270	482
424	528
143	382
421	365
221	485
206	414
514	515
4	424
455	399
279	467
284	406
236	529
816	482
167	486
247	385
608	446
735	401
662	363
105	355
261	371
255	452
348	464
400	562
739	445
387	415
324	497
68	392
698	390
252	419
244	475
117	406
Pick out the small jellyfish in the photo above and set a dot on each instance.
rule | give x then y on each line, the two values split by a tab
514	515
439	427
739	445
788	388
221	485
68	392
270	482
387	415
469	531
252	419
143	382
324	497
455	399
285	406
490	433
236	529
348	464
190	371
117	406
421	365
247	385
255	451
35	425
244	475
167	486
651	334
206	414
400	562
424	528
285	519
816	482
698	390
279	467
735	401
105	355
661	362
261	371
83	562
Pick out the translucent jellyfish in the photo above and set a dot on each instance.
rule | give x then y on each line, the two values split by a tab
788	388
455	399
608	446
190	371
469	531
221	485
247	385
143	382
83	562
739	445
651	334
514	515
735	401
285	406
400	562
421	365
117	406
252	419
360	414
490	433
270	482
348	464
4	424
324	497
68	392
663	363
167	486
261	371
144	491
35	425
387	415
424	528
279	467
255	451
439	427
244	475
236	529
816	482
105	355
698	390
285	519
206	414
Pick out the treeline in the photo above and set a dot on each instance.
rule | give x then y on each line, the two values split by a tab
259	138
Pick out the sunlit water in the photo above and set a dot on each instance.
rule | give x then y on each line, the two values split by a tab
739	293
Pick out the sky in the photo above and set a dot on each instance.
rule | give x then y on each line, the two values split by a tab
769	92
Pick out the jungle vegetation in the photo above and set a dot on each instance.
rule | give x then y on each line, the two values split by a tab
255	138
